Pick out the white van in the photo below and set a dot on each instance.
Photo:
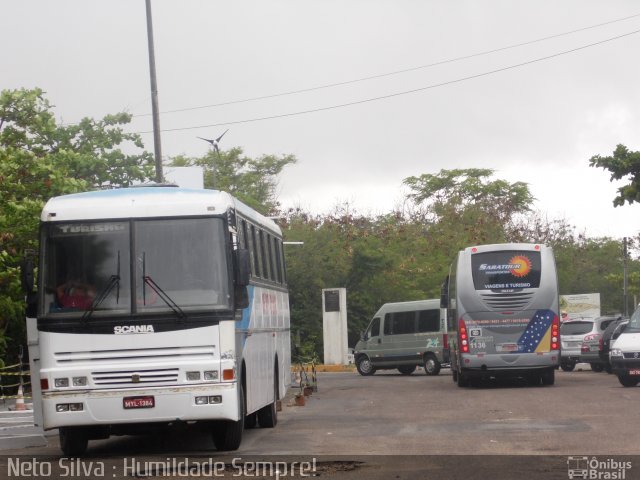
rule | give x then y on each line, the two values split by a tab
404	335
624	355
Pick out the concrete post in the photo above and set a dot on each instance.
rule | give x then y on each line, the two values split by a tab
334	326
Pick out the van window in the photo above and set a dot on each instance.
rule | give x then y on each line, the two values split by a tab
403	323
429	321
387	324
375	328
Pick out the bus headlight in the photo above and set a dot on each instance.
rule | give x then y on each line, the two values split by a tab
61	382
211	375
79	381
193	376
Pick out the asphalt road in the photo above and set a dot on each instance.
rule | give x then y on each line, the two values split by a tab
359	427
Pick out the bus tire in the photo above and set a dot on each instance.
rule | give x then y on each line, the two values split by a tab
364	366
463	380
227	434
431	364
627	381
407	369
548	377
268	415
251	420
73	441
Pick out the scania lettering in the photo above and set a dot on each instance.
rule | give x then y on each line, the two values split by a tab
156	306
133	329
502	312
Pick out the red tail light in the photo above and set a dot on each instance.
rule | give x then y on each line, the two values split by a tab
555	333
463	337
445	340
44	384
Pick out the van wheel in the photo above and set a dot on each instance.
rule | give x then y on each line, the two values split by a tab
597	367
628	381
364	366
431	364
407	369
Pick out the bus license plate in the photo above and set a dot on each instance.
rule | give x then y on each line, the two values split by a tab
138	402
509	347
634	372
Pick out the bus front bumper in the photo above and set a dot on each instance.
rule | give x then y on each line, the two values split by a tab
140	406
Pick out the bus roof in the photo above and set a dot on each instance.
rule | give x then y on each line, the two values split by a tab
148	202
504	246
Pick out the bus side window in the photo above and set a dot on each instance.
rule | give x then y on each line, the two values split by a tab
278	260
263	254
428	321
255	252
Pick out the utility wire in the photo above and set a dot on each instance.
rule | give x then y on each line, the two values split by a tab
388	74
406	92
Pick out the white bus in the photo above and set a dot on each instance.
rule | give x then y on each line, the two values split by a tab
158	306
502	303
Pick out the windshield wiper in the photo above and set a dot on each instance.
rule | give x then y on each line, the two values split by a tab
163	295
147	280
114	281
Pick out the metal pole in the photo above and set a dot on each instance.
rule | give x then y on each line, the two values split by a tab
624	282
157	147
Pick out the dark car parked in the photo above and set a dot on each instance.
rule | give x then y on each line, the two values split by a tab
608	337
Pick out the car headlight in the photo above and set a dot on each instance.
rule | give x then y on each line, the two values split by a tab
616	352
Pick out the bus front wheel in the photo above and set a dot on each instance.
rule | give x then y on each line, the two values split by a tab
548	377
227	434
73	441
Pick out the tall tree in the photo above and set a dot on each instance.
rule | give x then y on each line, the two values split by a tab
254	181
624	163
39	159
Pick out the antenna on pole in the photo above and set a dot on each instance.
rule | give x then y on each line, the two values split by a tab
157	147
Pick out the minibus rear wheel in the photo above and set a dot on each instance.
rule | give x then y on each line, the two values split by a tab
431	364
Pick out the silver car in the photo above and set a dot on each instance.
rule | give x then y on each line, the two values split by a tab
573	334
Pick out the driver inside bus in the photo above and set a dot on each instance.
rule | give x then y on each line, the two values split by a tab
76	294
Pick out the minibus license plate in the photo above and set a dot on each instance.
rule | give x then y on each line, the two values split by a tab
138	402
634	372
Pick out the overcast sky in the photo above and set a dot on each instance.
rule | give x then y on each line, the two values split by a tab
538	122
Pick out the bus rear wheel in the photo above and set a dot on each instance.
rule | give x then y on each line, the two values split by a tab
463	380
268	415
73	441
548	377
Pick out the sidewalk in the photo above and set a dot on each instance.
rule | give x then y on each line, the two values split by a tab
17	429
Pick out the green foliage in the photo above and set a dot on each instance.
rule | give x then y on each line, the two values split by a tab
40	159
623	163
254	181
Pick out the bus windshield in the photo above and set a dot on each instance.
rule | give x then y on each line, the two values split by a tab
88	267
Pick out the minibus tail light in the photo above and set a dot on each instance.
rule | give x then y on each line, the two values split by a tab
445	340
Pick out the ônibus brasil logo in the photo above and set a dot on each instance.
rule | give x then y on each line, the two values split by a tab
519	266
124	329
